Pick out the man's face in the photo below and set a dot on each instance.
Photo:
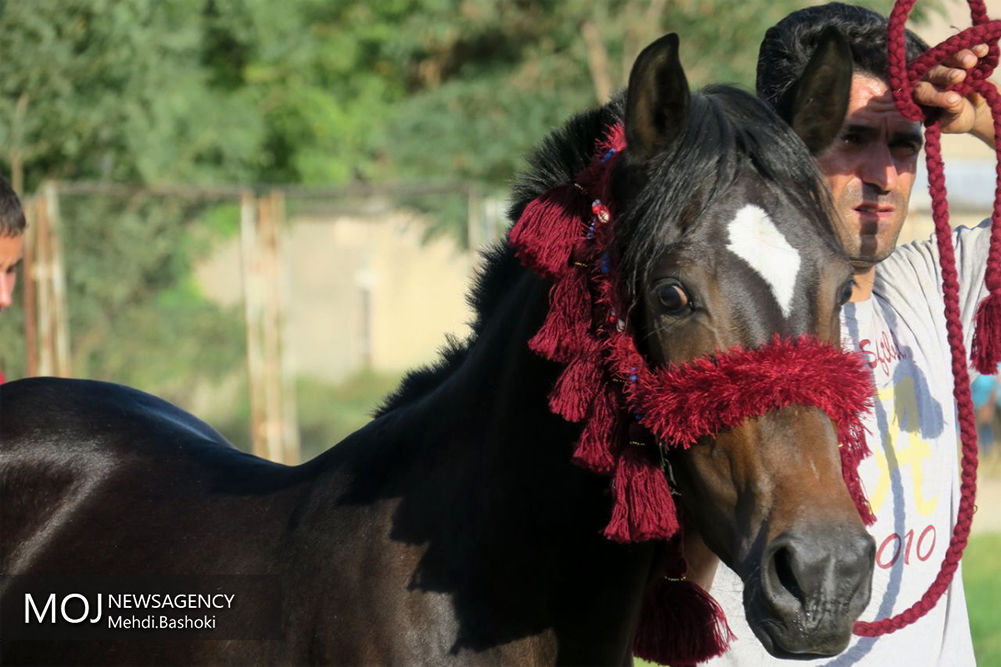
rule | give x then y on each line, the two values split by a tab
11	252
870	170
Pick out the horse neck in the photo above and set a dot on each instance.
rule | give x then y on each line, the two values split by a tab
484	478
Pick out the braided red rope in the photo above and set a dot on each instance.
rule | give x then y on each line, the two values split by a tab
986	344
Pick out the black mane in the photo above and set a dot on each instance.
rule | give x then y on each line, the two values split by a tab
728	129
558	159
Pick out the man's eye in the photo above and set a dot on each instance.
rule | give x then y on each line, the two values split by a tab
851	138
905	149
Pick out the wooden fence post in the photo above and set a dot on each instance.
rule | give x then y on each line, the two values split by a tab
291	447
60	315
252	316
43	279
274	422
49	283
30	283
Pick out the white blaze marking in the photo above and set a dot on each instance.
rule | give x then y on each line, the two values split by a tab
755	239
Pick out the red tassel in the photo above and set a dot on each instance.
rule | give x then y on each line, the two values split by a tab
644	509
549	228
565	333
597	445
853	449
986	349
680	624
576	388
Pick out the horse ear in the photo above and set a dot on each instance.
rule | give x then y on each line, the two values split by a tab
815	106
657	100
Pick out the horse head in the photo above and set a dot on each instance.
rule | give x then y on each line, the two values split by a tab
723	241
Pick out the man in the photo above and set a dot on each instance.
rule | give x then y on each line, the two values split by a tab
895	320
12	226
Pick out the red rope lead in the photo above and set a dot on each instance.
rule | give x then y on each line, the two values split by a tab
987	339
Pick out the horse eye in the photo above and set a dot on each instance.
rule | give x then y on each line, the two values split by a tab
846	293
673	298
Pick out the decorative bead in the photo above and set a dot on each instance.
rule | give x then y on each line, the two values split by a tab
600	211
607	156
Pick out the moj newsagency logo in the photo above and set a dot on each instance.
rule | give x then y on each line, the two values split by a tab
219	607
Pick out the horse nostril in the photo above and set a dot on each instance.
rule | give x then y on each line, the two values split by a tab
813	584
810	572
783	565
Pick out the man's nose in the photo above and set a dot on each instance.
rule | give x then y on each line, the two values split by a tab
879	169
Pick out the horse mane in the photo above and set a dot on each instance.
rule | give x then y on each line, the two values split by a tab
560	156
727	128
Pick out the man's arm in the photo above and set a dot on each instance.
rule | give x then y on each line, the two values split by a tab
961	115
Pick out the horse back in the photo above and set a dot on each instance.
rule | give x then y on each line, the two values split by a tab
111	471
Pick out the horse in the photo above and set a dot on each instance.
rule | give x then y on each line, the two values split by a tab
454	527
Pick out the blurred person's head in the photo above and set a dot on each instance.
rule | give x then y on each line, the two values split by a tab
12	225
870	168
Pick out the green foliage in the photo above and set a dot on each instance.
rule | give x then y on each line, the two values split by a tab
135	314
113	89
302	91
489	80
982	580
312	91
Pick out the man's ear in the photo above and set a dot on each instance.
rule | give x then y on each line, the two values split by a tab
815	106
656	101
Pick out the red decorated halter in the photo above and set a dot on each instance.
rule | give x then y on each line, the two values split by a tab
629	409
986	349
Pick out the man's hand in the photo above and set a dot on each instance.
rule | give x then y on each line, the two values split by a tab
959	114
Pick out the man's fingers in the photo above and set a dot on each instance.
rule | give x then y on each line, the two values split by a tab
931	96
943	76
965	58
953	70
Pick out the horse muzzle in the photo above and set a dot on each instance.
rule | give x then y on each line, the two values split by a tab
811	586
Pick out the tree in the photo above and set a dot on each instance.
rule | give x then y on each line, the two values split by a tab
113	90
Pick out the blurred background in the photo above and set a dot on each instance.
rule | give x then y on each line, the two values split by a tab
266	211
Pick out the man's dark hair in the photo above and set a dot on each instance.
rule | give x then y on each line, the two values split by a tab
788	45
12	222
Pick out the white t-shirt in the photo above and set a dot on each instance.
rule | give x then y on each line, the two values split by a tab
912	476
